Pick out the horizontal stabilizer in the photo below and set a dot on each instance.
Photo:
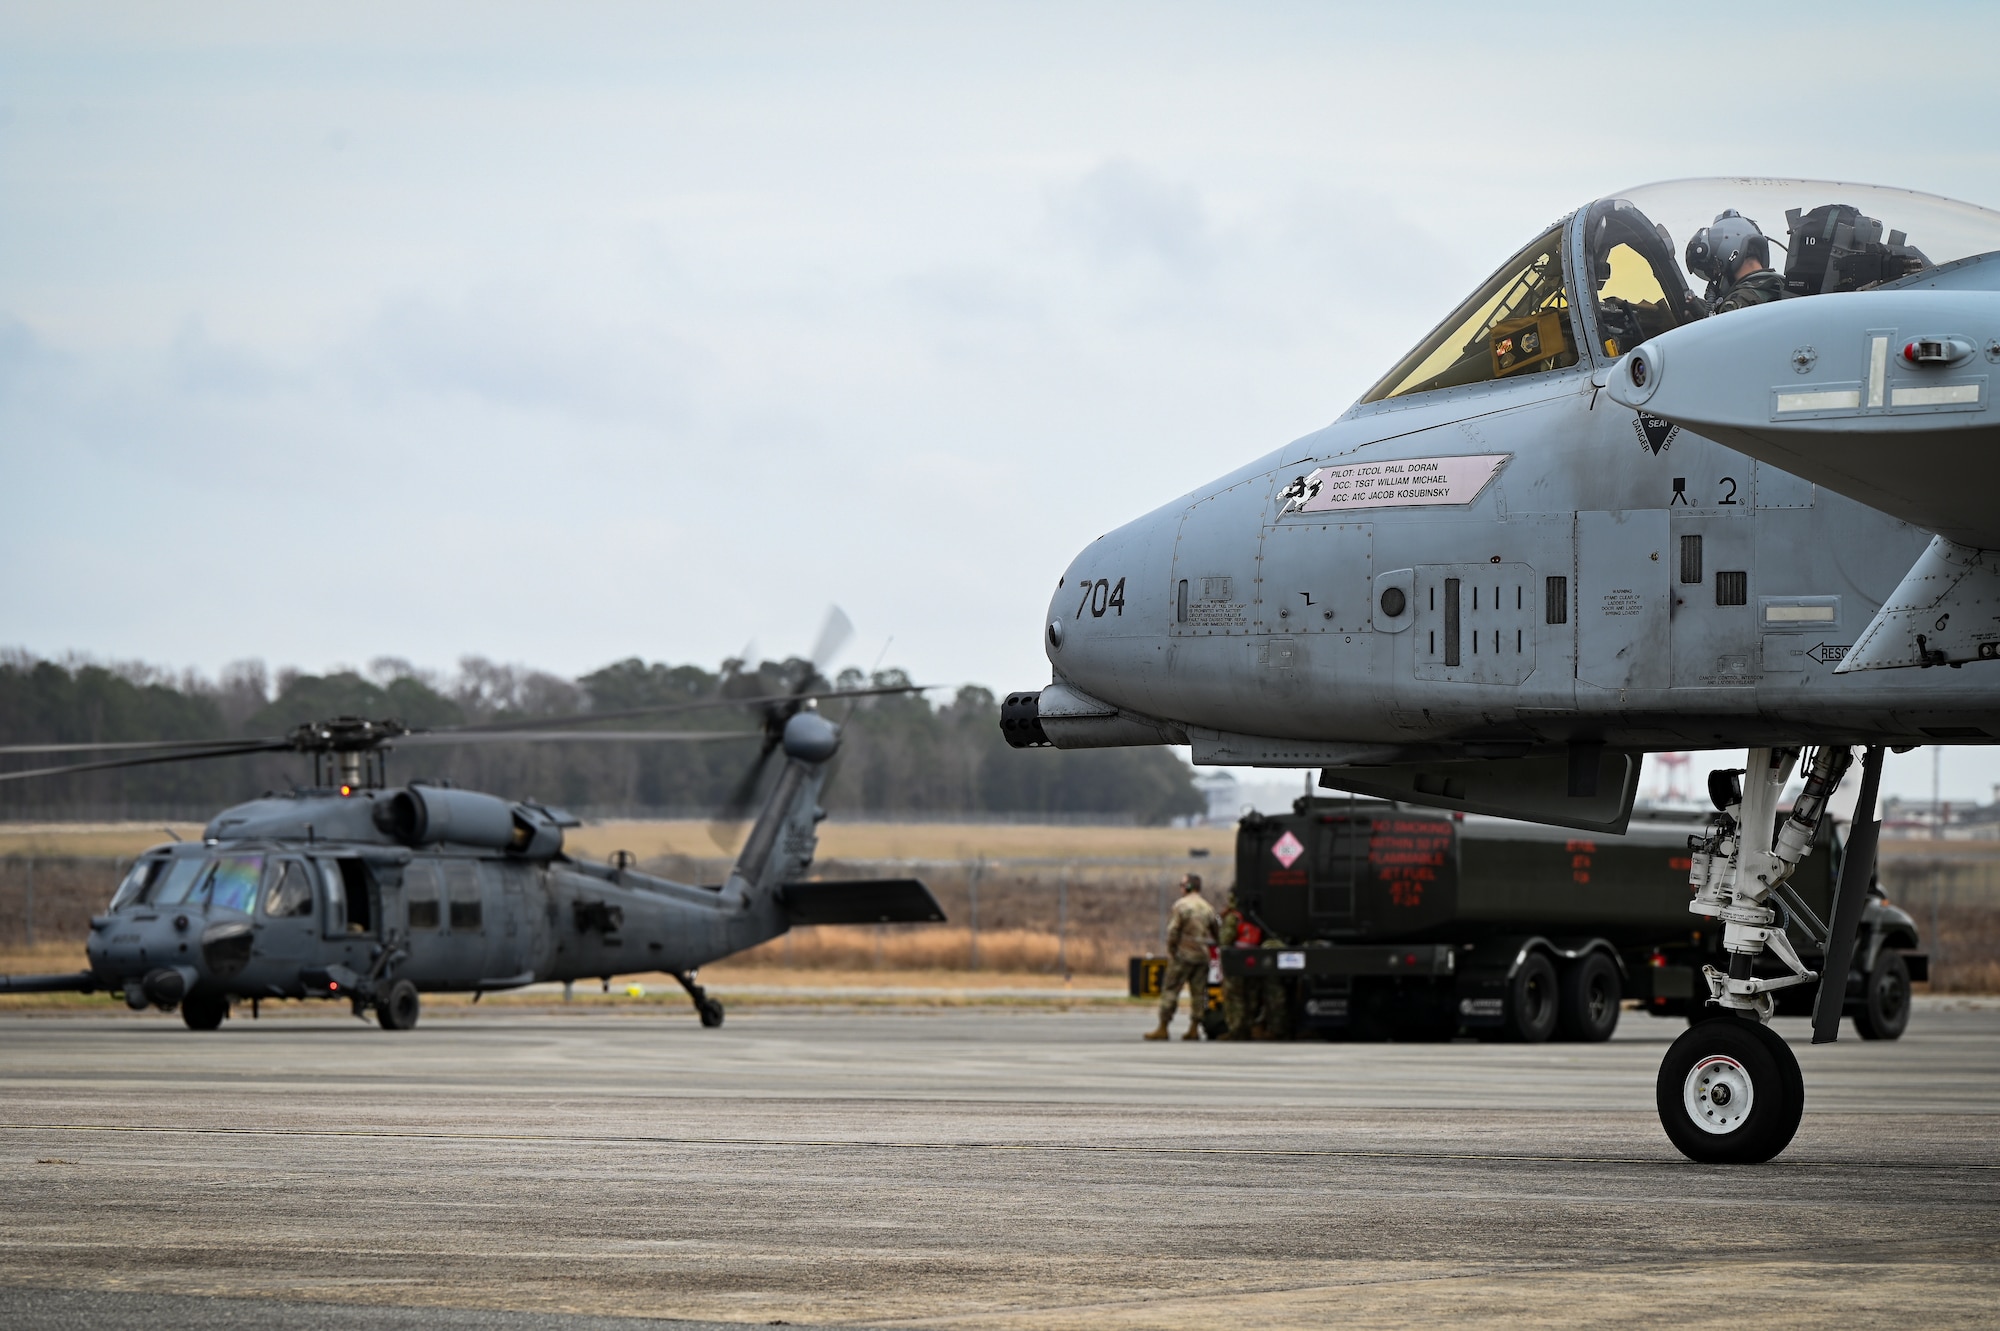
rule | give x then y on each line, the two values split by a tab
1883	396
862	901
1590	787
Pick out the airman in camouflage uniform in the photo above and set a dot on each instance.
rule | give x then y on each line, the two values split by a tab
1191	931
1237	931
1735	257
1270	1013
1755	286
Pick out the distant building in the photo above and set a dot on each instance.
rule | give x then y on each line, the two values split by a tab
1224	794
1921	820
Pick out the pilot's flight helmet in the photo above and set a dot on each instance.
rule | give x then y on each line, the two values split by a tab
1715	251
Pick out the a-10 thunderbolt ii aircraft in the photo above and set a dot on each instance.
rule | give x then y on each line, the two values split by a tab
1593	514
353	890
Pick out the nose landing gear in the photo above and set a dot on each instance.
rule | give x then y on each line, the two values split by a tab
1730	1090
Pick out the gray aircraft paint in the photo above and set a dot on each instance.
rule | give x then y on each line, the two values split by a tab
1284	655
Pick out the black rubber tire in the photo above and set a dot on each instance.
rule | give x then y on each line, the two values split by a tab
1884	1010
204	1012
399	1009
1591	993
1777	1092
711	1013
1532	1000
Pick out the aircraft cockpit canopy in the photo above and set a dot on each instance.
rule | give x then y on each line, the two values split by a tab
1536	315
1517	323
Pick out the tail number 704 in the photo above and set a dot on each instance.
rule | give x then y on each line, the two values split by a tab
1100	596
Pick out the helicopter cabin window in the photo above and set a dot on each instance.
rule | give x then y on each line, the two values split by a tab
420	892
288	893
350	907
462	886
1636	279
232	882
1517	323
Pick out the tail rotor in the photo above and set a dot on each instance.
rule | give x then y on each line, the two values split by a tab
777	714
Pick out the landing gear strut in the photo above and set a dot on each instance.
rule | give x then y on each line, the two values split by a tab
708	1009
1730	1090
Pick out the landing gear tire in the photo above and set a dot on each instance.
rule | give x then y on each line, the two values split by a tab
204	1012
1730	1093
1532	1001
1589	1002
399	1009
710	1012
1884	1013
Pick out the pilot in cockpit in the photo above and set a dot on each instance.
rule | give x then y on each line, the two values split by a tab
1735	257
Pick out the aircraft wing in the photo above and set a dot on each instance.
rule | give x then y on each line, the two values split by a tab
1884	396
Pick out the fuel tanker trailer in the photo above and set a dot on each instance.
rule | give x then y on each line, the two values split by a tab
1383	920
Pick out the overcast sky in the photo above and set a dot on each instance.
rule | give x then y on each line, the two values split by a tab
564	333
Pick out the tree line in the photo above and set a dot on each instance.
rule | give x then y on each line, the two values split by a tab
903	754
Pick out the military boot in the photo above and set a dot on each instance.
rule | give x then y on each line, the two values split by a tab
1193	1030
1159	1032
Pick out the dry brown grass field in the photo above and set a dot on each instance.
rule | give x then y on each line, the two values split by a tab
923	841
654	839
1050	903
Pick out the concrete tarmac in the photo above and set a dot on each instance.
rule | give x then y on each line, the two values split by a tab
971	1168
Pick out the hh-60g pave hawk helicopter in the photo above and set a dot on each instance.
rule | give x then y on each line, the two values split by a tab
1593	515
350	889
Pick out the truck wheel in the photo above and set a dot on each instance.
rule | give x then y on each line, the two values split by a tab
1532	1001
398	1009
1589	1000
1730	1093
1884	1010
204	1012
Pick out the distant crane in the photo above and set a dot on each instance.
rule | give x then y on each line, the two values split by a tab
1672	787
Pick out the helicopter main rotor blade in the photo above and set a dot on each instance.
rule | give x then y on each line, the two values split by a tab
440	738
113	764
668	709
191	745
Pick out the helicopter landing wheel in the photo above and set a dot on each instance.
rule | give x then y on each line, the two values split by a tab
204	1012
398	1009
710	1011
1730	1093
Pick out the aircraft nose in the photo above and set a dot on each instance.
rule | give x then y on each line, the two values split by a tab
1107	623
